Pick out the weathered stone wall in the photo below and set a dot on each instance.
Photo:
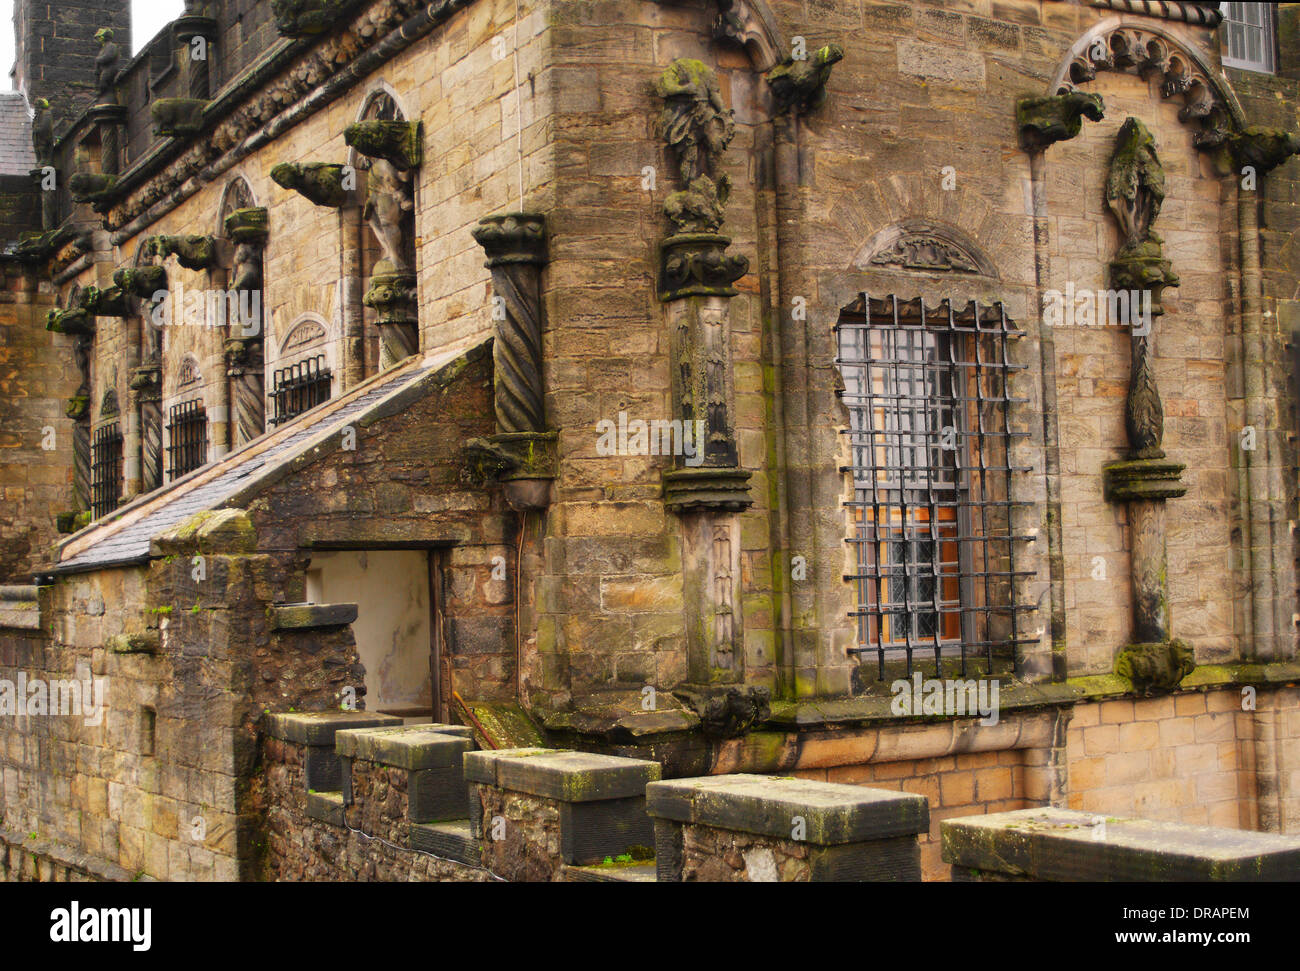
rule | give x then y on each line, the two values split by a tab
38	378
295	847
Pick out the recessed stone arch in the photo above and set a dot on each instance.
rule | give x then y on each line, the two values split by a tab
238	194
308	331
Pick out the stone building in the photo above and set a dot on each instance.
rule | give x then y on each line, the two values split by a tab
891	394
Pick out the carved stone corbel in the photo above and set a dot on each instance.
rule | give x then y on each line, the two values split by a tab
1262	149
1046	121
321	183
522	453
397	142
800	85
304	18
194	252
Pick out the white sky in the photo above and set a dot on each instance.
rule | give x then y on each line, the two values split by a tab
147	18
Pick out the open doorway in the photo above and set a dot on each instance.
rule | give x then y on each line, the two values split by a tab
394	629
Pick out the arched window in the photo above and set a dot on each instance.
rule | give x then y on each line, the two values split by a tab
930	518
303	377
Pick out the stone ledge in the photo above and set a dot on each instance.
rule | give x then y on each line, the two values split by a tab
1068	845
65	856
311	616
599	873
320	727
833	813
406	746
563	775
325	806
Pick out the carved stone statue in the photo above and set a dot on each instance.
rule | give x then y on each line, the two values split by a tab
106	61
801	85
388	200
698	127
1135	188
43	133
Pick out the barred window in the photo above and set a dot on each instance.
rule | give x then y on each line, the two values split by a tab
300	387
930	517
187	438
106	470
1248	36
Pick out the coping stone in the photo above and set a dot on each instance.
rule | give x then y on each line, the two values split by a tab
833	813
406	746
320	727
1066	845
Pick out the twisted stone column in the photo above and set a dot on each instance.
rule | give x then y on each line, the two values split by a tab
522	452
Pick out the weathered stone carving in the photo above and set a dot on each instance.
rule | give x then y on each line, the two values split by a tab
146	388
919	251
801	85
392	294
177	117
698	127
106	63
43	133
397	142
192	252
1046	121
388	200
522	451
95	188
246	369
142	281
1262	149
727	711
110	302
302	18
318	182
1135	189
1155	668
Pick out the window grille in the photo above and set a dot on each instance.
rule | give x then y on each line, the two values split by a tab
106	470
299	387
187	438
930	518
1248	36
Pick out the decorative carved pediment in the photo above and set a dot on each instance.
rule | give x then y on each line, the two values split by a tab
302	334
918	245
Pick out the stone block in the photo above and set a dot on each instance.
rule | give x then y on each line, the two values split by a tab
320	727
1066	845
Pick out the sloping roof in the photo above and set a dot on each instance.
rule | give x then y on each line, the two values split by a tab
17	157
124	538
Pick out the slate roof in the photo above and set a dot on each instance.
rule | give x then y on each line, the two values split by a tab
17	157
125	538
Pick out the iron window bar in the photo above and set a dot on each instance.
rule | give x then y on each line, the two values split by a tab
187	438
300	387
106	470
929	403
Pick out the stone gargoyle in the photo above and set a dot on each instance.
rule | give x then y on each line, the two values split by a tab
727	711
1045	121
318	182
801	85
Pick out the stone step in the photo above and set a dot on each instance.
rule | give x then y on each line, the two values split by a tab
326	806
450	840
633	873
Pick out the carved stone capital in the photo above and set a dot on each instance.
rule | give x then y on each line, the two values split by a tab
515	237
1046	121
146	382
697	265
109	115
318	182
396	142
188	26
178	117
800	86
707	489
524	462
